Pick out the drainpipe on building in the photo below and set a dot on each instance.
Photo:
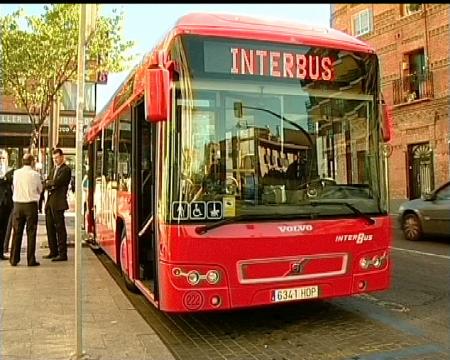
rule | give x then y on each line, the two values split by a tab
331	15
426	35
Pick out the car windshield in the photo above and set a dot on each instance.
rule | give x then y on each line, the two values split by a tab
267	148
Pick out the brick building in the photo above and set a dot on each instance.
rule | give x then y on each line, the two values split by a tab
412	41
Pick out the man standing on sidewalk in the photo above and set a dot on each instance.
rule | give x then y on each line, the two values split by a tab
57	185
27	188
6	202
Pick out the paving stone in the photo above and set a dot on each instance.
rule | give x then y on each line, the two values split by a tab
37	312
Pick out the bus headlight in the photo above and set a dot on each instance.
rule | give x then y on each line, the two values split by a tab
200	275
377	262
374	261
212	276
364	263
193	277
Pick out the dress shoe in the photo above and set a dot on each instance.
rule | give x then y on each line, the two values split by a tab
34	264
60	258
13	264
3	257
49	256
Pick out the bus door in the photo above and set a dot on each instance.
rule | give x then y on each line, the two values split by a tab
144	181
88	190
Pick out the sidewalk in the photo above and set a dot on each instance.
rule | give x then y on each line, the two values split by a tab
37	310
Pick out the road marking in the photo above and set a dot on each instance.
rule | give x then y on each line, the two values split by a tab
390	305
403	353
422	253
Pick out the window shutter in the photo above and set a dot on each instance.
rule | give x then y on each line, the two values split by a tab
356	25
370	20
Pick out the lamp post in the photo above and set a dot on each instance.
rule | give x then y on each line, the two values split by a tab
78	188
88	13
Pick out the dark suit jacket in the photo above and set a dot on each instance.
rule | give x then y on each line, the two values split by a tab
57	188
6	190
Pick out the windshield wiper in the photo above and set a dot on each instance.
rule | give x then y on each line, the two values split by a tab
203	229
368	219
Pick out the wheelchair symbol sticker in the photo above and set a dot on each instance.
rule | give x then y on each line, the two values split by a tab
198	210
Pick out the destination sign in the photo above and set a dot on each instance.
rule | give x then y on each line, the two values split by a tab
268	60
280	64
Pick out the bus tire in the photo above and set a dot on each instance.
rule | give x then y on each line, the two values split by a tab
128	283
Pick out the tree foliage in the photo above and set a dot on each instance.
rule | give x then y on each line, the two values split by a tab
38	57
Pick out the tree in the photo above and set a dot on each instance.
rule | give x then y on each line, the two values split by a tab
37	60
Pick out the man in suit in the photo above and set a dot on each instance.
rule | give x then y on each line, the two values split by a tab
6	202
57	185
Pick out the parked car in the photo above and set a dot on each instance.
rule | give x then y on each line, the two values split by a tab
428	215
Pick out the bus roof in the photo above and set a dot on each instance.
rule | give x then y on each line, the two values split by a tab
265	29
240	27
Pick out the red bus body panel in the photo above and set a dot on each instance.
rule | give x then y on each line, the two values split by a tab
243	27
255	259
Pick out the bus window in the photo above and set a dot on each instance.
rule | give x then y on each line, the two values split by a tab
98	159
124	158
109	170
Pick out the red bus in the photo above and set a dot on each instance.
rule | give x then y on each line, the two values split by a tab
241	164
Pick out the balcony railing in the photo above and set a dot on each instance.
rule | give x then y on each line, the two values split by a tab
413	87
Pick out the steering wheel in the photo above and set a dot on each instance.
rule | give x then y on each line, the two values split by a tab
315	187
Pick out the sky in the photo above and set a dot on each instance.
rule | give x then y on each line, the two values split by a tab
146	24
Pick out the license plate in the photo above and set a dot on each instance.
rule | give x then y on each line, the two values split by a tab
300	293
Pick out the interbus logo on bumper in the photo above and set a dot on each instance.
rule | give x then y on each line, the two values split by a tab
295	228
358	238
281	64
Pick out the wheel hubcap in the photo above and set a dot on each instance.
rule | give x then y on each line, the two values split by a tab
411	228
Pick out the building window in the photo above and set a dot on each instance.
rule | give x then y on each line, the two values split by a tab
416	80
415	75
362	23
409	9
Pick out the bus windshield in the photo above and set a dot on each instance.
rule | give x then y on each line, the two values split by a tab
269	146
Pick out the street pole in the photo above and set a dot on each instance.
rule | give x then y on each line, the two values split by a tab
387	152
78	180
50	136
39	148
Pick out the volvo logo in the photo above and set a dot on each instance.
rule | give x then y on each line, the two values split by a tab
295	228
297	267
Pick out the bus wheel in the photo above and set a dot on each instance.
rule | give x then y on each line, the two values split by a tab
411	227
128	283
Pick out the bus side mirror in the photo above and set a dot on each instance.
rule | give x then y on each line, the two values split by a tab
157	94
386	128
